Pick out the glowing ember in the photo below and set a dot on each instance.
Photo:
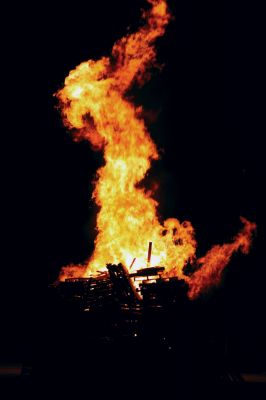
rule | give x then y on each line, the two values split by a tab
95	107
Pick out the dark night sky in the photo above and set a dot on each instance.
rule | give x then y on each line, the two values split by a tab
209	101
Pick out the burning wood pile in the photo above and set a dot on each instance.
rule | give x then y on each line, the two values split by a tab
118	289
133	298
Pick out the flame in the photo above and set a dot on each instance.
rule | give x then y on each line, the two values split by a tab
216	259
95	107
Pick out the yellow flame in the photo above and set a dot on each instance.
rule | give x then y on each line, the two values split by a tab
94	105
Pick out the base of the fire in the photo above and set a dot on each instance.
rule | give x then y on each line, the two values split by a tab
115	288
138	325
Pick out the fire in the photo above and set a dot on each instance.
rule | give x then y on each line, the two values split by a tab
95	107
216	259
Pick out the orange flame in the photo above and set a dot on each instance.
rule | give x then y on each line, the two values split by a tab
95	107
216	259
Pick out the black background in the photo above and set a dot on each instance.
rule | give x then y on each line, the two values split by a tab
205	111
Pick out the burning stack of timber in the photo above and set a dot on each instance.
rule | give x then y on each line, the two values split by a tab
118	289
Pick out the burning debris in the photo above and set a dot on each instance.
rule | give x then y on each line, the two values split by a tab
96	107
118	290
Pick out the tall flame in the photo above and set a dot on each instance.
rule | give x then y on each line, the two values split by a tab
95	107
